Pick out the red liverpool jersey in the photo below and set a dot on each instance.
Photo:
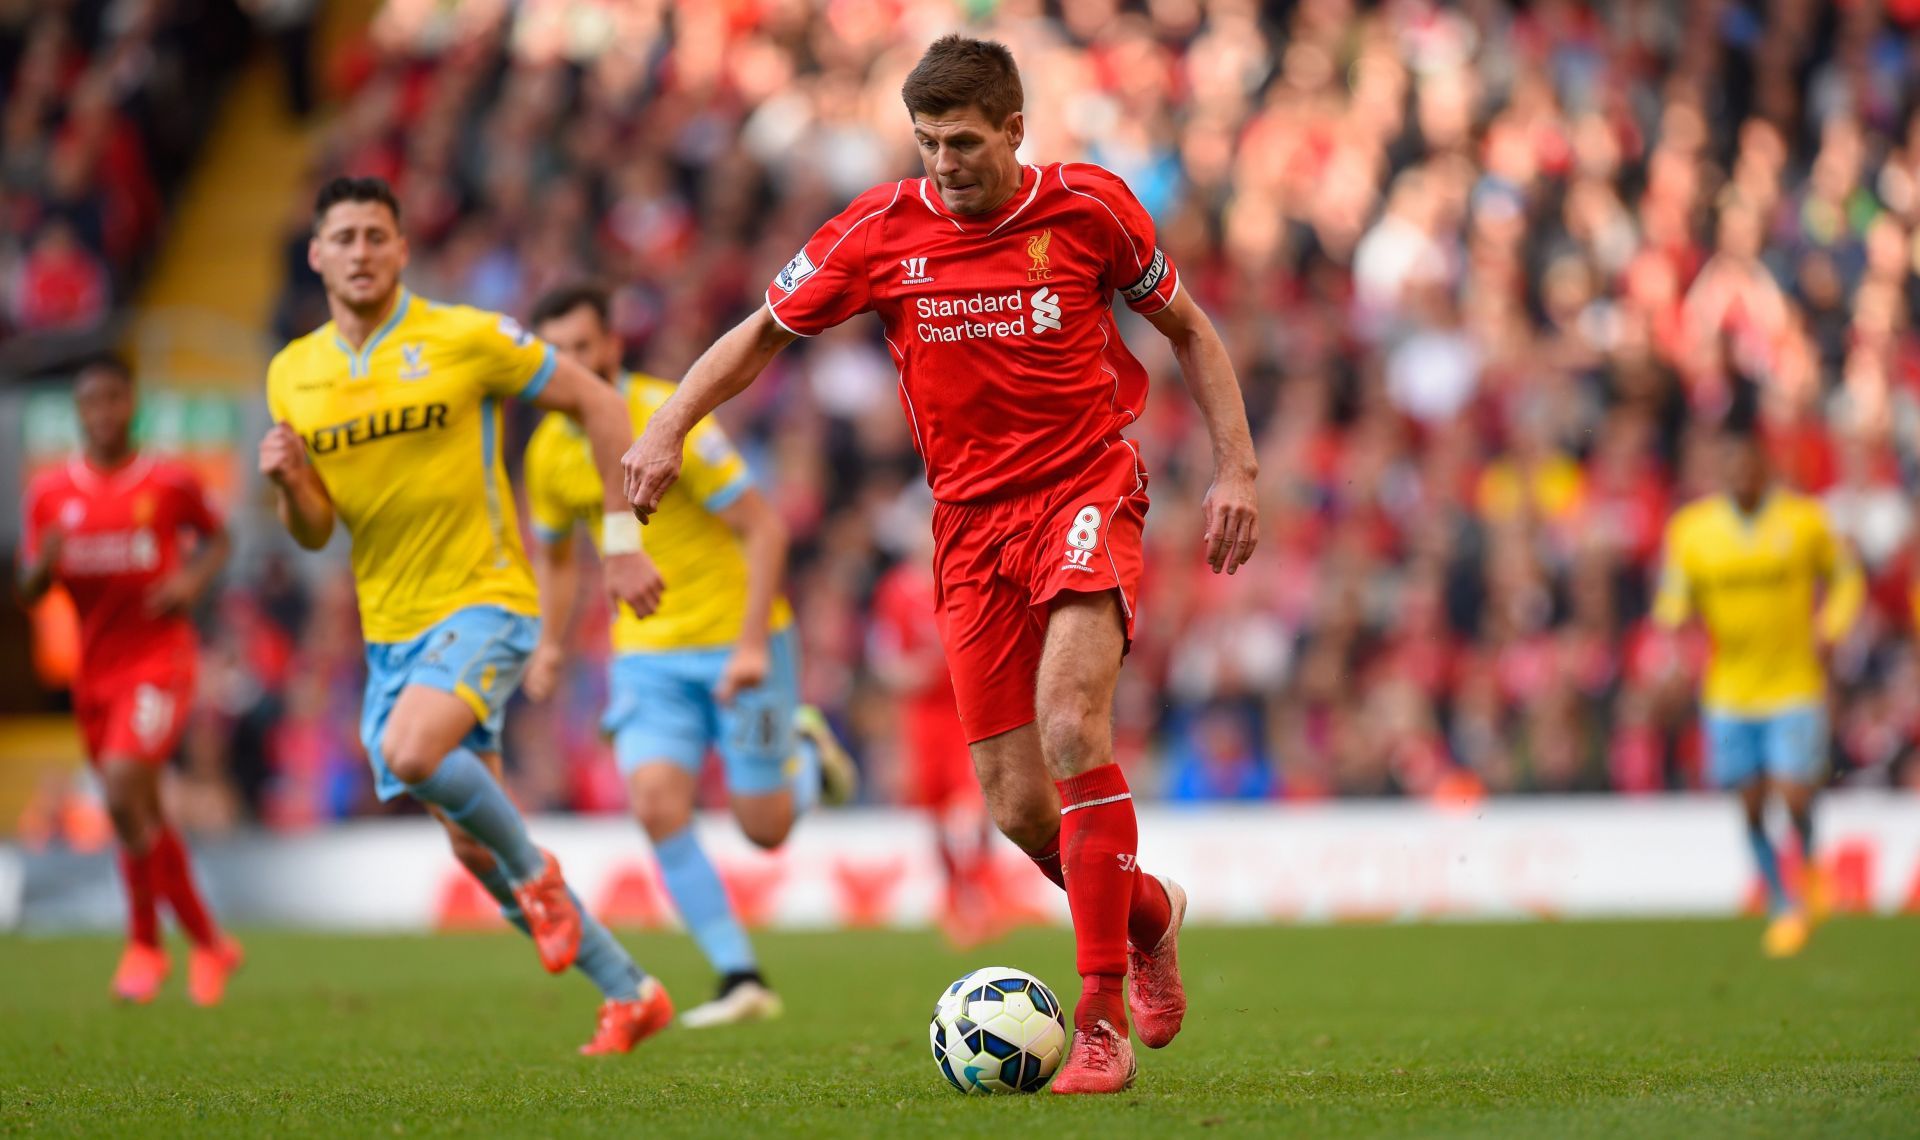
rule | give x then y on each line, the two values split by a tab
1001	324
121	536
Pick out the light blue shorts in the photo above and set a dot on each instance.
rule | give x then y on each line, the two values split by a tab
478	654
1790	745
661	707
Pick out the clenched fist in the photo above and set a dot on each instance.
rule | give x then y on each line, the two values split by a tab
282	453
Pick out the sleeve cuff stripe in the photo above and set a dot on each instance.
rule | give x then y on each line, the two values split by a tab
548	362
728	495
775	314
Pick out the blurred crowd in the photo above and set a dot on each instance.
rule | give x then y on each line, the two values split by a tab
1489	273
104	101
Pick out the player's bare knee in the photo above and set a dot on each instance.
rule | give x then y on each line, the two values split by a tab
662	798
767	831
409	763
1073	734
132	803
1027	828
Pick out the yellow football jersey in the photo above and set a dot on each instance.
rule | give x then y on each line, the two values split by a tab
699	557
1752	581
405	433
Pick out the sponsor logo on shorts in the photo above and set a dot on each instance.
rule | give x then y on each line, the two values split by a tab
1083	538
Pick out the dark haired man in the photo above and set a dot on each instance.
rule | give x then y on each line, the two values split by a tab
995	283
1753	563
108	526
715	668
388	419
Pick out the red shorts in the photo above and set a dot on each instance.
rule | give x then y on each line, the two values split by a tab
139	712
999	565
939	767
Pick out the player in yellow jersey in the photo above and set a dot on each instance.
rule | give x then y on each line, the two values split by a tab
716	667
387	419
1751	564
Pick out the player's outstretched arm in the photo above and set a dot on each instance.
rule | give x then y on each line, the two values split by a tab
301	499
721	373
763	539
602	414
1232	503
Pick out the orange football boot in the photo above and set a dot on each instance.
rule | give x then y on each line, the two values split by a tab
624	1024
209	968
1101	1061
142	968
551	917
1155	996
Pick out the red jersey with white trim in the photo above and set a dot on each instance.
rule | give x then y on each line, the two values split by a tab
1012	372
121	535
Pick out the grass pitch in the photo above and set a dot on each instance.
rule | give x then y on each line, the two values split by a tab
1527	1030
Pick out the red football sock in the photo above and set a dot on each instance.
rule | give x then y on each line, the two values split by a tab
1098	836
143	914
1147	915
174	878
1048	860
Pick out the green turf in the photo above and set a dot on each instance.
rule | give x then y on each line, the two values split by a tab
1526	1030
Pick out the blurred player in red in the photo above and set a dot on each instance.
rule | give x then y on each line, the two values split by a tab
108	526
995	283
904	647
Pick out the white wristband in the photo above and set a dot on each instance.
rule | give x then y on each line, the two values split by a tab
619	533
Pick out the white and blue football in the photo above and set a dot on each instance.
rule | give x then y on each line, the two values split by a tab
998	1030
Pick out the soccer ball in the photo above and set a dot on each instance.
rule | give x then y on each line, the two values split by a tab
998	1030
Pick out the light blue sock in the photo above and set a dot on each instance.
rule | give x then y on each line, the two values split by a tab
602	958
806	776
497	885
1763	854
464	789
702	901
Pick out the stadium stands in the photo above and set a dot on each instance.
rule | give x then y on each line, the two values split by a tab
1489	273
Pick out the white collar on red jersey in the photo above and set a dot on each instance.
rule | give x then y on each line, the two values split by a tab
127	474
940	209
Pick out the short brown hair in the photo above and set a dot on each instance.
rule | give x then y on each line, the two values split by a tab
556	303
346	188
960	71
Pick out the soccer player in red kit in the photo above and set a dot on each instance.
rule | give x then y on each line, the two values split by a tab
108	527
995	283
904	650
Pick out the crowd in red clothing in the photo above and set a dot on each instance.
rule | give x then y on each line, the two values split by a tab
1489	273
103	103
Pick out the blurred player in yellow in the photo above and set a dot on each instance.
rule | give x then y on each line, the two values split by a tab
388	419
715	667
1751	564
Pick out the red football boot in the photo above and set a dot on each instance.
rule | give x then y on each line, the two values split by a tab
142	968
1101	1061
209	967
624	1024
1155	997
552	918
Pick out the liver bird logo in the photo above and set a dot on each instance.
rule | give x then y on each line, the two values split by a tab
1037	248
1040	269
